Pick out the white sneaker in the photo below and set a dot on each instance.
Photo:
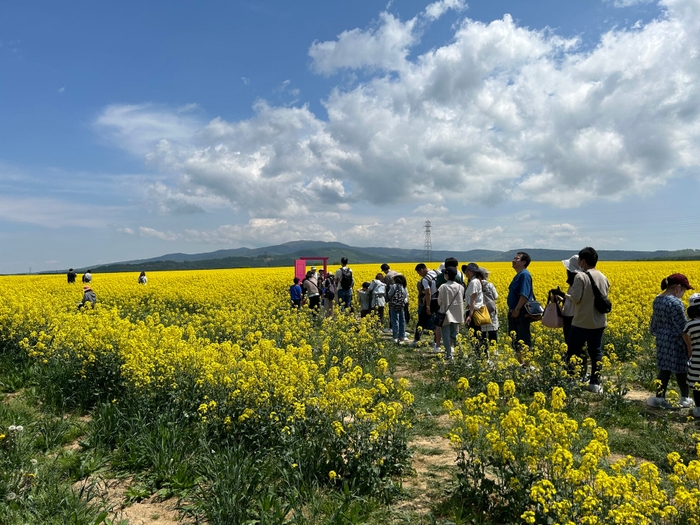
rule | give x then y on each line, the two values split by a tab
660	402
436	349
387	330
403	341
695	412
395	340
596	389
685	402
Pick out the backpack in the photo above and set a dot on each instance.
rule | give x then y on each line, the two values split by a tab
345	278
399	298
329	283
489	300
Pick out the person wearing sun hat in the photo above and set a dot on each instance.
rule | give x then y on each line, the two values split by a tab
668	321
691	337
589	323
88	297
572	268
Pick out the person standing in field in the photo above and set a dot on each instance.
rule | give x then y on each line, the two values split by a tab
572	268
398	294
295	292
388	281
142	278
451	303
427	303
329	292
71	276
87	277
520	292
344	283
365	300
475	299
691	336
378	290
589	323
489	331
313	293
668	322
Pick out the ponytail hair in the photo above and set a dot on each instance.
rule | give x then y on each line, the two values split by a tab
664	284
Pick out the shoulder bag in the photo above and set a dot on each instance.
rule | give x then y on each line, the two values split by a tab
439	318
552	316
600	301
481	316
533	309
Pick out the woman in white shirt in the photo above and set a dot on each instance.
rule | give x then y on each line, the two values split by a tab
451	301
378	290
474	297
489	331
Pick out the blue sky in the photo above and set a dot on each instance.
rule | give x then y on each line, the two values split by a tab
136	129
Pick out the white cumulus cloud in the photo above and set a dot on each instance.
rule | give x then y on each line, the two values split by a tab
497	113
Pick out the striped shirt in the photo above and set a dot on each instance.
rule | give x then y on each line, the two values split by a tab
692	328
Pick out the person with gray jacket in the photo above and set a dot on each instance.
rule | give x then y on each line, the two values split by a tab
88	297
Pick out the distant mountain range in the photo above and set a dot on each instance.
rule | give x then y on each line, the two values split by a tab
285	254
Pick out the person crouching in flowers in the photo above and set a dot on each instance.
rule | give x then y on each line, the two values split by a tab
88	297
451	302
667	324
691	337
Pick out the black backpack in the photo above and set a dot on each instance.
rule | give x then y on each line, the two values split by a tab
345	278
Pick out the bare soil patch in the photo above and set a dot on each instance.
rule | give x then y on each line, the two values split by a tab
150	511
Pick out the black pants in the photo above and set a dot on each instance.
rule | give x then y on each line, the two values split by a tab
665	375
425	319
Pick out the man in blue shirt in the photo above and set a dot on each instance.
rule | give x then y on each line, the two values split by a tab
520	292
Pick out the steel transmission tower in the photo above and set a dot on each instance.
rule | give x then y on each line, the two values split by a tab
428	242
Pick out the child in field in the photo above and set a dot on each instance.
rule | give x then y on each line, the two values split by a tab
365	298
691	336
295	294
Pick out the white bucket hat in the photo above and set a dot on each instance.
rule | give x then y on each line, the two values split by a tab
694	300
571	264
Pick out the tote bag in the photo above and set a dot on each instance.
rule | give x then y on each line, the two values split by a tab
552	317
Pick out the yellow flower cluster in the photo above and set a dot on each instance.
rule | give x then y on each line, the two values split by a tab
227	337
563	465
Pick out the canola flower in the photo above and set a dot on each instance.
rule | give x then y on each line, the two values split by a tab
556	470
236	356
226	344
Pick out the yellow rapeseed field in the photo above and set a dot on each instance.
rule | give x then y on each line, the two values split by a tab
227	344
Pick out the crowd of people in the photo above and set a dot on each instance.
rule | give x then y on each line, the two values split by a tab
450	299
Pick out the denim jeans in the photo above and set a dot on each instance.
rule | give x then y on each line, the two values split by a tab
398	323
449	337
345	299
593	339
